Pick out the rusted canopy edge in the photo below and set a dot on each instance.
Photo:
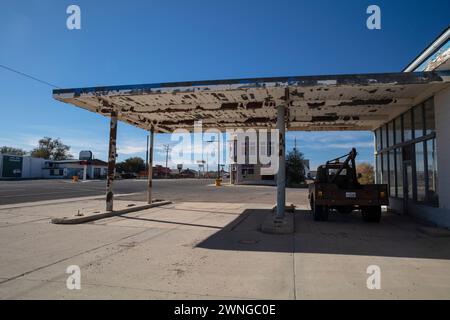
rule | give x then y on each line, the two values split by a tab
402	78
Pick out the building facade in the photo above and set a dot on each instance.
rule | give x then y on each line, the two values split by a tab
412	149
27	167
66	169
20	167
249	169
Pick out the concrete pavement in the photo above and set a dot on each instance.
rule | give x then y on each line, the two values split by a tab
207	250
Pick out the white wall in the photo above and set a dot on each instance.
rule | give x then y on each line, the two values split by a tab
32	167
442	116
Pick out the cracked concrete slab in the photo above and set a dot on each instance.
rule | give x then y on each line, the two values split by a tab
214	250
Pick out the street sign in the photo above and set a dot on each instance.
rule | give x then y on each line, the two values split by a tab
85	155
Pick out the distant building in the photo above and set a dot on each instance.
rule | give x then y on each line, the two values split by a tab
27	167
160	171
66	169
20	167
251	173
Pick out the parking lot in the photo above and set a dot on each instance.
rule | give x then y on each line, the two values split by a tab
207	245
13	192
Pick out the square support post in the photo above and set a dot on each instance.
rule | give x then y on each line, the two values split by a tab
111	161
150	168
281	176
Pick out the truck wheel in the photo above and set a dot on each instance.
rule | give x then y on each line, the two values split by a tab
320	213
371	214
345	210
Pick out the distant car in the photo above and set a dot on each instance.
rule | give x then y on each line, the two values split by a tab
128	175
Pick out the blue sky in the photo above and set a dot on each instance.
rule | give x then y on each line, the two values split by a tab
136	41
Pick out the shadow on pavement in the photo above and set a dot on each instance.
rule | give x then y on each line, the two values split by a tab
395	236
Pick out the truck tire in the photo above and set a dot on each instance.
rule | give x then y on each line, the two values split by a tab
371	214
320	213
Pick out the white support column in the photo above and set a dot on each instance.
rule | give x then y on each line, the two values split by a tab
150	168
111	162
85	172
281	176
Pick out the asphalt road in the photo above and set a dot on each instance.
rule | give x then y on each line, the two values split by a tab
191	190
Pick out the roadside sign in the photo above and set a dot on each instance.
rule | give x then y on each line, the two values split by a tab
85	155
12	167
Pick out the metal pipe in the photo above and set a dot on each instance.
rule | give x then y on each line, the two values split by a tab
218	155
146	155
281	176
150	169
111	161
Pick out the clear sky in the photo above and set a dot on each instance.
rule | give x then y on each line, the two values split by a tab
137	41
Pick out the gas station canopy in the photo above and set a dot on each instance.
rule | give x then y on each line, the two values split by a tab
315	103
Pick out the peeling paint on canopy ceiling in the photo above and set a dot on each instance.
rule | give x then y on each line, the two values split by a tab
339	102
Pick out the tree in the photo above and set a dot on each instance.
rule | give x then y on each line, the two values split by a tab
367	173
295	168
134	165
12	151
52	149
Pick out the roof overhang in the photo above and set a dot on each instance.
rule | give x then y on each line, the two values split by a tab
434	57
316	103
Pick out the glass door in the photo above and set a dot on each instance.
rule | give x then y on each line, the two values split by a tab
407	185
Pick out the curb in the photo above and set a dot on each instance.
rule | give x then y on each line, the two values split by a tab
106	214
58	201
434	232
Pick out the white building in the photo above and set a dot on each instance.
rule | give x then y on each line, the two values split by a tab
27	167
249	170
24	167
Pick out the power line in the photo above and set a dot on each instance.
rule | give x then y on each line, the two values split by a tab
28	76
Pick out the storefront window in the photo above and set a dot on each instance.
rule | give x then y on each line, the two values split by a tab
432	193
385	174
392	187
378	169
384	136
420	172
399	168
398	130
429	116
378	139
407	126
413	166
391	133
418	121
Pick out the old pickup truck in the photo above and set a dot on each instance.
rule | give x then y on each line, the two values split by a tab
336	187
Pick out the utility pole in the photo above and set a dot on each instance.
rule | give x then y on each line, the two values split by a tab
207	160
167	149
218	153
146	155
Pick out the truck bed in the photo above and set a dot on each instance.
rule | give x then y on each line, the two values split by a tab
329	194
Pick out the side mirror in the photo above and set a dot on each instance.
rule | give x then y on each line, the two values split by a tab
359	175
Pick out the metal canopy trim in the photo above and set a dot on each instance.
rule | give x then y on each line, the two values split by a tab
336	102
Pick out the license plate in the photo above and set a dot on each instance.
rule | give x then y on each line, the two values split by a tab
350	194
